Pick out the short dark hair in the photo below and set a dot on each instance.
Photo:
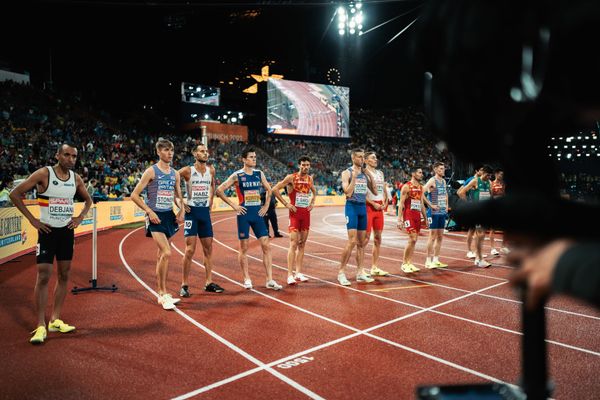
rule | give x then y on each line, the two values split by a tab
414	169
247	150
437	164
487	169
369	153
357	150
63	144
303	158
498	170
198	145
478	167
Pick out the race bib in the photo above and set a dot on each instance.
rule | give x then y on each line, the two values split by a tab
442	203
302	200
415	204
164	199
484	195
380	188
360	187
200	193
252	198
58	207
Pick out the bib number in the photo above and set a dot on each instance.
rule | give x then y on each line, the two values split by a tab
200	193
302	200
484	195
164	199
415	204
252	198
360	187
58	207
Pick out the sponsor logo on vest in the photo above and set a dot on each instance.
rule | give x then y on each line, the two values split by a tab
55	183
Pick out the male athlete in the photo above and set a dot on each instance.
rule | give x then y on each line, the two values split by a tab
200	183
412	206
481	191
471	231
498	190
356	181
248	183
438	213
56	187
300	186
163	183
376	204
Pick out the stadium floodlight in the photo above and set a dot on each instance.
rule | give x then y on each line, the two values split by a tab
350	19
205	116
233	119
341	32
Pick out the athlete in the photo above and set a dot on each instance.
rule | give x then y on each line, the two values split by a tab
376	204
498	190
412	207
248	184
356	181
300	186
437	213
56	187
471	231
481	191
200	184
163	185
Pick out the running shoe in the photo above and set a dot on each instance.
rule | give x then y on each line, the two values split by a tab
343	280
58	326
375	271
300	277
214	288
495	252
39	335
505	250
408	268
471	254
364	278
439	264
273	285
291	280
247	284
482	263
166	301
184	291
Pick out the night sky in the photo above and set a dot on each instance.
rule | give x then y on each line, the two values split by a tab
126	54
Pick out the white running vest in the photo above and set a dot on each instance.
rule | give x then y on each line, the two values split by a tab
198	188
56	203
380	185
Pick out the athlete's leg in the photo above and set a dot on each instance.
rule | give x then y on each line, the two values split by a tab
348	250
291	256
41	292
60	291
267	261
190	249
207	250
162	261
243	258
300	254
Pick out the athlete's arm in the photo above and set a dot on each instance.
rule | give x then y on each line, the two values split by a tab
81	191
221	193
386	199
185	173
263	210
424	210
348	186
277	192
313	189
462	191
211	197
179	196
403	194
39	177
371	181
146	178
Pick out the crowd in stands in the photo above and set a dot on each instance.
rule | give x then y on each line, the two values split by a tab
113	153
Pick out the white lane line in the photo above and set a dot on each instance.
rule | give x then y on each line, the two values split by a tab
221	339
554	309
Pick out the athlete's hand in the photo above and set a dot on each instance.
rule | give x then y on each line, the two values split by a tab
435	208
180	217
40	226
153	217
263	210
74	223
400	224
291	207
187	208
240	210
310	207
356	172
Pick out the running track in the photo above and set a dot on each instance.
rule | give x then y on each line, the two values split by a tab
378	340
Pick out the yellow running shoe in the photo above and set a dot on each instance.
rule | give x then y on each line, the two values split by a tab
375	271
58	326
412	266
39	334
439	264
406	268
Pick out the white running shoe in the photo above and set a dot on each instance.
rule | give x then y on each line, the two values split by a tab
166	301
247	284
363	277
273	285
482	263
291	280
471	254
343	280
505	250
495	252
300	277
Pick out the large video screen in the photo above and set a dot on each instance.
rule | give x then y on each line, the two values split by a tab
307	109
200	94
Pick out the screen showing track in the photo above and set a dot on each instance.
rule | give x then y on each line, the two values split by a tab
308	109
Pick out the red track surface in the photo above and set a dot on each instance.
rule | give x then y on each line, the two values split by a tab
378	340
